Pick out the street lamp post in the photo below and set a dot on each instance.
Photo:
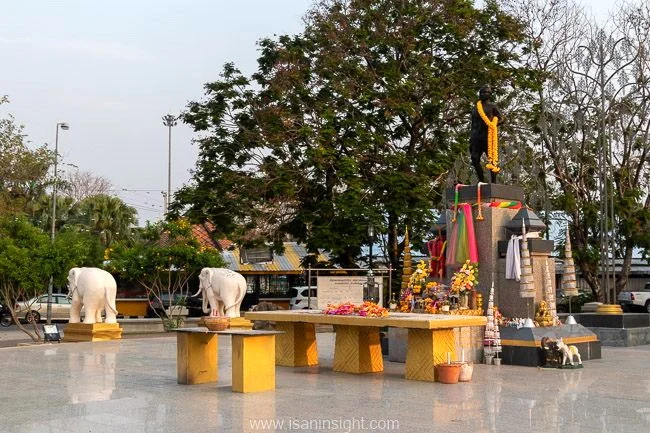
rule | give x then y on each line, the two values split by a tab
169	121
65	127
371	288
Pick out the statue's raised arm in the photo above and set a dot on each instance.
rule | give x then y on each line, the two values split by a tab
484	135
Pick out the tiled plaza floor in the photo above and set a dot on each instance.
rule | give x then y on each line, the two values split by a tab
130	386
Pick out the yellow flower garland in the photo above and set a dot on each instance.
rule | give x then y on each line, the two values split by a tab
493	144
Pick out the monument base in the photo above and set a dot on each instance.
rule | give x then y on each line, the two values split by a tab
92	332
523	346
609	309
619	330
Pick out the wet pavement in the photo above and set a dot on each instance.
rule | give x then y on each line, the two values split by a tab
130	386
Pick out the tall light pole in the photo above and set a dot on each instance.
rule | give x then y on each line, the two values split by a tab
169	121
65	127
371	292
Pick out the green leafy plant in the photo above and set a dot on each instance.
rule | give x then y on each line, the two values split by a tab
163	261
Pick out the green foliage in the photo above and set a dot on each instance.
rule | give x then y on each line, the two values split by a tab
163	261
74	248
354	121
23	171
28	259
108	218
25	259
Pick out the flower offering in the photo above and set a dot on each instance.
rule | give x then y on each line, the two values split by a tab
367	309
418	280
465	279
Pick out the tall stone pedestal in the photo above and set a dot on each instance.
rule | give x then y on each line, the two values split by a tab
92	332
490	232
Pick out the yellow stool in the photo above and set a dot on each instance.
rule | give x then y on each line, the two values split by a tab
253	358
196	356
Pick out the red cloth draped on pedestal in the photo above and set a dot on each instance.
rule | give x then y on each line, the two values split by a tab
436	248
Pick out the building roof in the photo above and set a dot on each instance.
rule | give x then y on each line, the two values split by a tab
286	263
201	233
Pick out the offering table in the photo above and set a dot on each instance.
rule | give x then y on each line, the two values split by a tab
357	348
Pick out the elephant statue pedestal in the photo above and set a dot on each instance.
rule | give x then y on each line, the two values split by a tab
234	322
240	323
92	332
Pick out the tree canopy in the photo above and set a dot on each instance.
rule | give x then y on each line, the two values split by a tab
23	170
357	120
589	128
163	261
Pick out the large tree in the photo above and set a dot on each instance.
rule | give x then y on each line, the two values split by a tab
590	120
23	170
164	260
108	217
79	185
355	121
28	259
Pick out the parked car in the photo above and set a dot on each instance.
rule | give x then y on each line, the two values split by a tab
36	308
5	316
299	298
188	306
635	300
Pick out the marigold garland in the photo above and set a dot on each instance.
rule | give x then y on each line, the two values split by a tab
492	140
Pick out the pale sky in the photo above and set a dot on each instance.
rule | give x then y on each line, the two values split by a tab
112	69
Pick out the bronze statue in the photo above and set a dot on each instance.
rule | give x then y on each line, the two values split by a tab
543	315
483	139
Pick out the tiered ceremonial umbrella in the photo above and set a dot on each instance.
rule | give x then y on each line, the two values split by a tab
408	264
549	293
569	286
526	283
490	331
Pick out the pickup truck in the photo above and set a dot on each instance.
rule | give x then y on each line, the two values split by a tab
635	300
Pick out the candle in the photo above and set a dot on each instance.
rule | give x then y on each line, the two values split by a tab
448	357
462	355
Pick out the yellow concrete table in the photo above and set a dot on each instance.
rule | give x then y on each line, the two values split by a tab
357	348
253	355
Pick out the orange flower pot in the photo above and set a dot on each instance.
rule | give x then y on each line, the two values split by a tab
448	373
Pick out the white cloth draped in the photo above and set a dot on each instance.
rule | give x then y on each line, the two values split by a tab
513	259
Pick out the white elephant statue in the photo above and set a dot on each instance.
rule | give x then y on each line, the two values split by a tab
223	289
95	290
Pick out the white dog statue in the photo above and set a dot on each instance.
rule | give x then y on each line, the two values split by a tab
568	353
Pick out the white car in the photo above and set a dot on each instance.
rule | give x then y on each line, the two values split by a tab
635	300
300	299
36	308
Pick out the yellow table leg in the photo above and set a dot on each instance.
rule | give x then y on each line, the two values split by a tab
357	350
253	363
426	348
296	347
196	358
